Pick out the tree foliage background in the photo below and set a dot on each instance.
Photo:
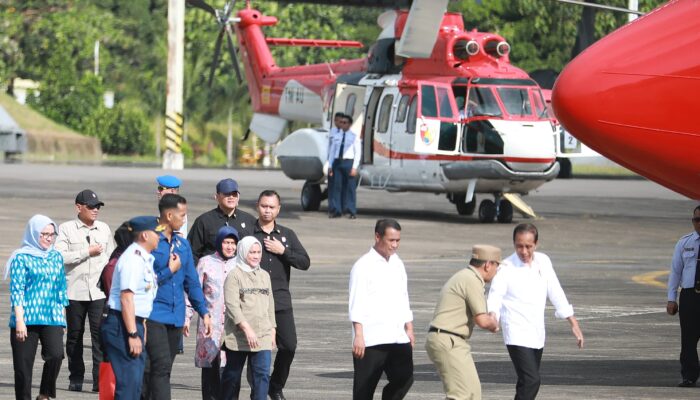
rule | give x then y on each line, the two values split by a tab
52	42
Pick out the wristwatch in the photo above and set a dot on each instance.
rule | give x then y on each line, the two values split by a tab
134	334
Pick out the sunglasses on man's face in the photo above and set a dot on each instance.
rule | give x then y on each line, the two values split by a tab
95	207
696	219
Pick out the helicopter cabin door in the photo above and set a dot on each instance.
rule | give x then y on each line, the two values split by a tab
348	100
437	122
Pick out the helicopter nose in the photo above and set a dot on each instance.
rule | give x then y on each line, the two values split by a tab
631	96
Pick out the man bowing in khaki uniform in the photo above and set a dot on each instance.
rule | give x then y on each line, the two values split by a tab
462	304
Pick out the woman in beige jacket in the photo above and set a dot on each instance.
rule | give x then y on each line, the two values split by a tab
250	322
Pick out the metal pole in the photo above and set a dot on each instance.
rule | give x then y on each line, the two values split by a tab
229	139
174	121
633	5
97	57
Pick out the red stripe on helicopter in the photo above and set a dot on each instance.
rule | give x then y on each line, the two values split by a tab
380	149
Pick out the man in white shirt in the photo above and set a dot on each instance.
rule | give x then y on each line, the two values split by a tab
381	317
518	296
344	152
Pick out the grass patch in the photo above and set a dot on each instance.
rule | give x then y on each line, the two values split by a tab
33	121
603	170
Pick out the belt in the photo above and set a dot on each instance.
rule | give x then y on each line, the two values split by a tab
119	314
438	330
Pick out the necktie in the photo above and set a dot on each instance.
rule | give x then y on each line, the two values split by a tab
342	147
697	272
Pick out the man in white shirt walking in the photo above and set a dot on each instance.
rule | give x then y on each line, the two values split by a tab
518	296
381	317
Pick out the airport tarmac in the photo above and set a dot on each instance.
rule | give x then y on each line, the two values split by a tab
611	243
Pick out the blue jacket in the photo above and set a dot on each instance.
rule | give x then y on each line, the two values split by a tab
169	304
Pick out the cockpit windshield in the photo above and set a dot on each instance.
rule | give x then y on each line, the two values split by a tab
502	101
482	102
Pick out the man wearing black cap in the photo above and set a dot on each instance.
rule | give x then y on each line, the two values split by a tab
134	287
202	236
85	244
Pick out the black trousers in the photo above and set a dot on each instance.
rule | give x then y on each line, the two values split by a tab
396	360
211	380
23	354
161	347
286	348
689	309
75	320
527	365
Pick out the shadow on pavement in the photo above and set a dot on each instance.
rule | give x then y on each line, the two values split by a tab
640	373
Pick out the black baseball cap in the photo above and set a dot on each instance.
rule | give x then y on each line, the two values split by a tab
88	198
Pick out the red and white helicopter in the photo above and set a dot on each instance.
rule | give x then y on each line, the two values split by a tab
632	96
440	109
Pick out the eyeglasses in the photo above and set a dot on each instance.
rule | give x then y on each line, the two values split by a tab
230	194
696	219
48	235
95	207
161	188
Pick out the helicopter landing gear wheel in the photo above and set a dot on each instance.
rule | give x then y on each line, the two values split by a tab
464	208
505	211
311	196
487	211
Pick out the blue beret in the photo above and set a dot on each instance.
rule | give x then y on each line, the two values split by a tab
143	223
169	181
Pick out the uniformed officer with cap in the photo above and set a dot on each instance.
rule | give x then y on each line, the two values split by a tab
171	184
134	287
462	304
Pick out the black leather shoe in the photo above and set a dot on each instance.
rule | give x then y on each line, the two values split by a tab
333	215
687	383
75	386
277	395
352	216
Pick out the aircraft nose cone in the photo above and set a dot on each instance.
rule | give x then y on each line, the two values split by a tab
633	96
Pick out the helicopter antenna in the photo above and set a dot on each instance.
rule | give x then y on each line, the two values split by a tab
330	69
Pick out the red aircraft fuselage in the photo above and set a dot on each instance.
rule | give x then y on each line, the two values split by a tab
634	96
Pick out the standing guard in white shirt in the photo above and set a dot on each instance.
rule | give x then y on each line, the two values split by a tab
518	296
381	317
685	274
344	155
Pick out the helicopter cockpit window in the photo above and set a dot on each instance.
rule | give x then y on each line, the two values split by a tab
446	110
428	102
412	116
403	108
350	104
516	101
385	113
540	107
482	102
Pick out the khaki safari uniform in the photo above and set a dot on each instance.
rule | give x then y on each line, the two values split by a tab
461	299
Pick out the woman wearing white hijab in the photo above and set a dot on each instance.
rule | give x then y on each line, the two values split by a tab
250	322
38	299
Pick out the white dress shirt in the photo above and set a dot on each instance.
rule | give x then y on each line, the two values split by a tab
379	298
352	150
518	296
683	265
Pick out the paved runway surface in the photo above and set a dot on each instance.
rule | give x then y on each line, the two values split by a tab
610	241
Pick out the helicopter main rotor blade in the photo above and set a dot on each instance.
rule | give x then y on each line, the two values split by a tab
602	6
232	50
217	54
202	5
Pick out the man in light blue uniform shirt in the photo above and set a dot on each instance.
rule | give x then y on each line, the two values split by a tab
168	315
130	301
685	273
344	155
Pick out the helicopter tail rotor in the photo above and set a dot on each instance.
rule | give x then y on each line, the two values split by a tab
224	20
